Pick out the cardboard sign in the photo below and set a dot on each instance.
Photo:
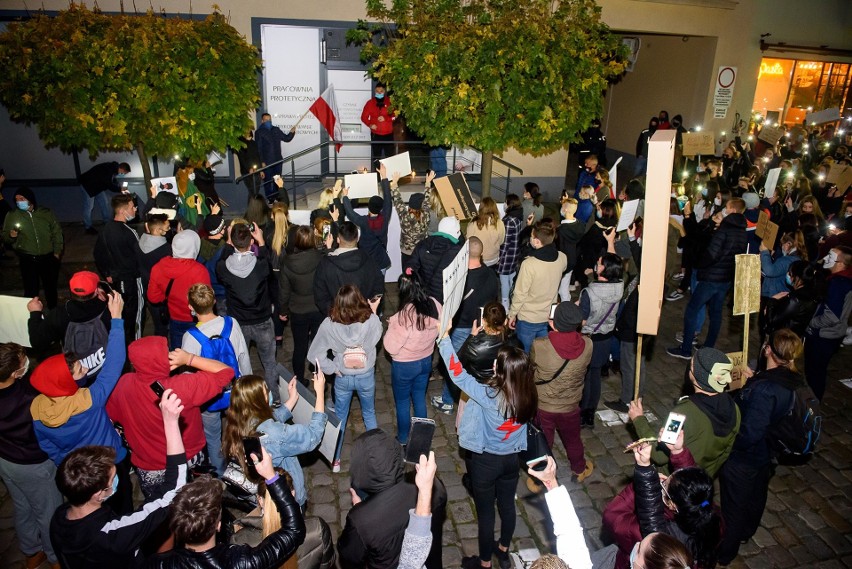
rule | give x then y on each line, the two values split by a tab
168	184
824	116
454	277
737	378
699	143
762	220
455	196
771	134
840	175
362	185
771	182
304	410
770	234
399	163
628	214
747	283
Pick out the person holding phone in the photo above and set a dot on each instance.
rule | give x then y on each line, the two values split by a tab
494	430
94	184
250	414
351	333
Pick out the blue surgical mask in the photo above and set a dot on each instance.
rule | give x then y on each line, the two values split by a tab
115	483
120	175
270	399
704	192
24	205
380	95
788	281
634	553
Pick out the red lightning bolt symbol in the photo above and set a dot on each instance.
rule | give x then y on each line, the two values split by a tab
510	426
455	365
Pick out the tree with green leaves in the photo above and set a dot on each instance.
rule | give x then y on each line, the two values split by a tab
156	85
493	74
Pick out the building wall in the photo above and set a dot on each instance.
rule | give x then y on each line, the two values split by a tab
671	74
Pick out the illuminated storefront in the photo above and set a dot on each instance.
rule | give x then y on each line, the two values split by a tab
788	89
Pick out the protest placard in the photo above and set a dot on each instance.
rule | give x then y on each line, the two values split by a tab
399	163
455	196
699	143
454	277
362	185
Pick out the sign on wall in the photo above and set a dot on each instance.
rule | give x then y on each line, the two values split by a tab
724	91
290	86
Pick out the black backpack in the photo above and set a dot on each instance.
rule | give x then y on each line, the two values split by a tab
794	436
88	340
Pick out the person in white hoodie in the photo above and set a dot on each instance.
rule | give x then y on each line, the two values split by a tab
351	332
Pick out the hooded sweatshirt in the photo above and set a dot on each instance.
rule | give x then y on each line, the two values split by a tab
375	528
537	285
560	393
183	271
154	248
710	429
67	417
346	266
831	315
134	404
338	337
50	327
246	281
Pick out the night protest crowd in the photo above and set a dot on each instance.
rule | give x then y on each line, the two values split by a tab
549	309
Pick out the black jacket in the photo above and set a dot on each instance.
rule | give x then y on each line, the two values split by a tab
729	240
296	282
430	258
481	287
375	528
568	237
794	311
117	252
270	554
48	328
353	267
100	177
374	243
248	297
478	353
649	504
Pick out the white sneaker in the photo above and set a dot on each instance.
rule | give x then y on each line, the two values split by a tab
679	338
847	341
335	466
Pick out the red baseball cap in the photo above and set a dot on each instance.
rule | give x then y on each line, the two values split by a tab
84	283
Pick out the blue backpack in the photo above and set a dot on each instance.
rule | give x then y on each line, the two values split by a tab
218	347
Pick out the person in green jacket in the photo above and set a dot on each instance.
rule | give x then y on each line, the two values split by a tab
712	417
36	237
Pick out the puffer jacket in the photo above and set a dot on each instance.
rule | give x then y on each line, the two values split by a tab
296	282
317	551
272	552
430	258
560	393
729	240
478	353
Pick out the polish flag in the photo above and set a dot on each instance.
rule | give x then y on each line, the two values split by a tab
325	109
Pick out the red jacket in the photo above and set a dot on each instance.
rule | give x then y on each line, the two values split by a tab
371	113
185	272
135	405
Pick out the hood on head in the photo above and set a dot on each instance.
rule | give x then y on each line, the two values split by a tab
150	357
53	378
27	193
376	462
186	244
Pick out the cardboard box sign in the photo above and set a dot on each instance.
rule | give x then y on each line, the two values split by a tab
737	378
699	143
455	196
747	284
840	175
771	134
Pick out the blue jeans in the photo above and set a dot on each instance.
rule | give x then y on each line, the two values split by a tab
709	294
177	329
263	335
527	332
212	421
344	386
409	381
89	203
450	392
35	498
592	383
438	161
505	288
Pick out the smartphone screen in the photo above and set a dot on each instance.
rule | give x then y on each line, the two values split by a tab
673	426
251	445
538	464
158	388
419	439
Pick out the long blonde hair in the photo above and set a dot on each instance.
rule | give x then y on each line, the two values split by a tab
488	213
271	519
326	198
249	408
279	219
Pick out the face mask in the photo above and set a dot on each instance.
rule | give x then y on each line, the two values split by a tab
788	281
129	217
23	206
380	96
25	368
120	175
847	215
789	251
115	483
829	260
598	215
192	177
634	553
717	201
704	192
270	399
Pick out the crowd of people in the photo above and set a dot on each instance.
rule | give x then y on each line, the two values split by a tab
549	309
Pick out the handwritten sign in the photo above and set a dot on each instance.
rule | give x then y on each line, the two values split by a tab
840	175
699	143
737	378
747	283
771	134
454	277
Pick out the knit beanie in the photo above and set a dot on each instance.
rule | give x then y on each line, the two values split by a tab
567	317
751	200
416	201
375	205
186	245
53	378
712	369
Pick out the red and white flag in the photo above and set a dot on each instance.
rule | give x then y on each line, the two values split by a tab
325	109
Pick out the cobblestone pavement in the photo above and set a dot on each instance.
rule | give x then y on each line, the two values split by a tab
808	513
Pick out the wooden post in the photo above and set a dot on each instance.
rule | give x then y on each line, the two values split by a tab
638	367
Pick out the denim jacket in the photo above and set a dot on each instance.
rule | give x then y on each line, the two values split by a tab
285	442
483	427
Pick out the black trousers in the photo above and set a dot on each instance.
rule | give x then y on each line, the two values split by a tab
304	327
382	149
132	292
494	478
44	268
744	488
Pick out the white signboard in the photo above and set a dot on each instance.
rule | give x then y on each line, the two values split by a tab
613	175
399	163
824	116
13	320
303	412
362	185
291	84
454	278
724	91
165	185
628	214
771	182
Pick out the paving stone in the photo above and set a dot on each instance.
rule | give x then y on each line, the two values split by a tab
322	494
461	512
813	519
467	531
785	537
763	538
836	541
837	521
818	547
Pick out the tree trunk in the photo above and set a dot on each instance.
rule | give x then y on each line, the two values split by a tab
487	163
146	167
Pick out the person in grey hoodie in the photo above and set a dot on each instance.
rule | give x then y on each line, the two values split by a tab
155	247
351	332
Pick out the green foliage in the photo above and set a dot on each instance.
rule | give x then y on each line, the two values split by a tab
494	74
117	82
